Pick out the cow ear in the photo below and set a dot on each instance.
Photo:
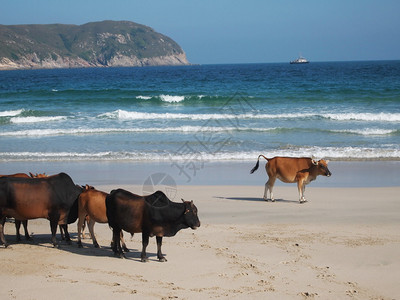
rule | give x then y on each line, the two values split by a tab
314	162
327	161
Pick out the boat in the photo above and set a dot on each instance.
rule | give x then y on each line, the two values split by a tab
300	60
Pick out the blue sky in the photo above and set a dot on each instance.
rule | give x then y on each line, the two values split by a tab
240	31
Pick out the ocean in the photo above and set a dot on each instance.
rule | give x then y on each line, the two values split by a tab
202	113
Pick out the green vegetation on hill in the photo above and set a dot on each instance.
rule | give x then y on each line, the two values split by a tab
106	43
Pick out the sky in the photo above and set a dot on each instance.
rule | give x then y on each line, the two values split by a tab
240	31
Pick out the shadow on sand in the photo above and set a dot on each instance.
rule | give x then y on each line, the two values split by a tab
44	241
256	199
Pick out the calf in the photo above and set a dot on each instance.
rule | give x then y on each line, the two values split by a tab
134	214
290	169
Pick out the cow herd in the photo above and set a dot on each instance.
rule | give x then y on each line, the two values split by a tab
58	199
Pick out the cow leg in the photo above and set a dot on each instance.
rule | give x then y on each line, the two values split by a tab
116	247
2	237
91	231
145	242
17	227
53	227
159	254
81	228
66	233
81	221
25	224
301	187
85	222
62	233
123	242
269	186
304	192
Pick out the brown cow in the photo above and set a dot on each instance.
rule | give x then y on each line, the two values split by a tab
25	222
92	204
133	213
54	198
290	170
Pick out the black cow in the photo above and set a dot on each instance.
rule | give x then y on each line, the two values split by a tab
134	214
54	198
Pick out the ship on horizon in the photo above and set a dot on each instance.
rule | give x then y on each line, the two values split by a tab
300	60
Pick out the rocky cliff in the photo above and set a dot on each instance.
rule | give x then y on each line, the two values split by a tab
97	44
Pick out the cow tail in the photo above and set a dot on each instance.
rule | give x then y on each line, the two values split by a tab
257	164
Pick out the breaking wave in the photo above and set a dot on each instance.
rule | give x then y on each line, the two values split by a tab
135	115
19	120
11	113
333	153
89	131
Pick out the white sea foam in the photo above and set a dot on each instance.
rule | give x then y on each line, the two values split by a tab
143	97
11	113
90	131
134	115
382	117
335	153
368	131
36	119
172	99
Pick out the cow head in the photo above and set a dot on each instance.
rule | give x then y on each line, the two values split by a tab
190	214
322	167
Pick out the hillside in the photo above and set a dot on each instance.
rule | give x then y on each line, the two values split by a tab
97	44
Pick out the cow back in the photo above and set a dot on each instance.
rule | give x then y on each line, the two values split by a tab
157	199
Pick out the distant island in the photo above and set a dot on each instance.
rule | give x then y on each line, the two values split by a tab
95	44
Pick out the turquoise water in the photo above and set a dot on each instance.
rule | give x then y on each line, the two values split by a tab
197	114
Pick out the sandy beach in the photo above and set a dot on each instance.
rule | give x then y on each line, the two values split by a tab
342	244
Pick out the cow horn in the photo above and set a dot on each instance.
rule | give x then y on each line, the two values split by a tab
183	200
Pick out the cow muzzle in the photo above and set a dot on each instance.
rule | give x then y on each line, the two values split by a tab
194	227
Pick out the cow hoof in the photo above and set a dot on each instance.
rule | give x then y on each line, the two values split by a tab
126	249
144	259
162	259
96	246
272	200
